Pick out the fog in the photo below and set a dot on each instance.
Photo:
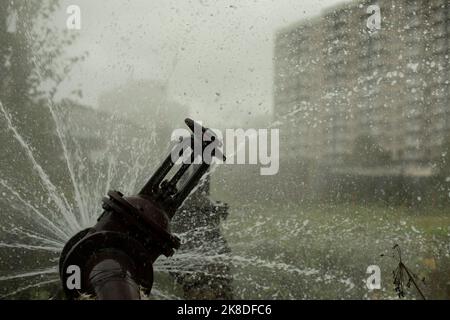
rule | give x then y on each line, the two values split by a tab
351	103
215	56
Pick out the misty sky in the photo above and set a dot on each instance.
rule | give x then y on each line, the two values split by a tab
215	56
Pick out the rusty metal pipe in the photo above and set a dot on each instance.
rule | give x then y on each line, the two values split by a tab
112	278
116	255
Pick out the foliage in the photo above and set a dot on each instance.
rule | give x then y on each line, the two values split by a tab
31	52
367	152
32	66
443	164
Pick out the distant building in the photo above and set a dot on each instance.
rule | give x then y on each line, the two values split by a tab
92	130
146	103
298	65
337	83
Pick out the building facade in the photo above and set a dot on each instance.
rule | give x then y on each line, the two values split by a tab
340	87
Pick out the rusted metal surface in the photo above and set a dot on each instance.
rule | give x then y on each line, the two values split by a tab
116	255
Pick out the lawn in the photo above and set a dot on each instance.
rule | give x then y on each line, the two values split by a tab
323	251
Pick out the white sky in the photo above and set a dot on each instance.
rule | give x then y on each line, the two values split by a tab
200	47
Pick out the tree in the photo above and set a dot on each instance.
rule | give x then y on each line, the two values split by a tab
31	68
443	163
367	152
30	51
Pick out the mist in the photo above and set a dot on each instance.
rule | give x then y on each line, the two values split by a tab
214	56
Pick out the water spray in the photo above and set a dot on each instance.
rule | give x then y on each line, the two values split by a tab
115	257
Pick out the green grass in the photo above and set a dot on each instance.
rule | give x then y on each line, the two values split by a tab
322	251
339	241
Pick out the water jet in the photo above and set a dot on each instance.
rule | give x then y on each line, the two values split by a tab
116	256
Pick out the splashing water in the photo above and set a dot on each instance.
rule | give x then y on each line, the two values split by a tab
41	224
37	223
35	228
287	255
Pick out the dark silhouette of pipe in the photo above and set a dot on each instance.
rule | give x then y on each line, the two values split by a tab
116	255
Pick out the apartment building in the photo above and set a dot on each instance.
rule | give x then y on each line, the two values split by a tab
337	82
